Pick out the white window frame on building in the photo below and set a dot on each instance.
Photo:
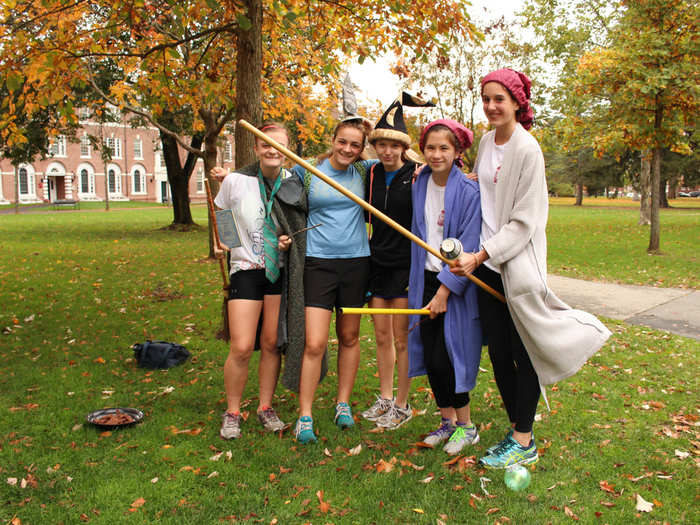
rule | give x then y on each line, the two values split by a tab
138	172
30	183
228	151
89	173
200	180
115	146
113	169
85	147
138	148
84	113
57	146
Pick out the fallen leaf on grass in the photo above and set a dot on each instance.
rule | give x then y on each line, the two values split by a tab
12	481
492	510
154	480
418	511
355	450
138	502
607	487
643	505
216	457
213	475
406	463
427	479
327	453
323	506
607	504
570	513
681	454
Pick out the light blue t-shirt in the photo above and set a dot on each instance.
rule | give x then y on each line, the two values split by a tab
343	233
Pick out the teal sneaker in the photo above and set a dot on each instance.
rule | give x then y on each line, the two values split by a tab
509	453
343	416
494	447
304	431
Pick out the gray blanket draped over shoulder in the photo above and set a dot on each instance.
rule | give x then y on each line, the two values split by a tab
290	208
558	338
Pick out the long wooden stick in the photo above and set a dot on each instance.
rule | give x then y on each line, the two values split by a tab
215	232
374	211
393	311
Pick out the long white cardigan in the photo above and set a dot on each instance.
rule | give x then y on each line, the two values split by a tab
558	339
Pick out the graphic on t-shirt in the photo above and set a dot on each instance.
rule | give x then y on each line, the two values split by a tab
441	219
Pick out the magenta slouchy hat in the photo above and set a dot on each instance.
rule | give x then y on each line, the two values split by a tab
518	85
465	137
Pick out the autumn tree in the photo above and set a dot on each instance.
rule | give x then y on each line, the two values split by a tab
646	84
204	57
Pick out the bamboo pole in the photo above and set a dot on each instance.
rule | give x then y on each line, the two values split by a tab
393	311
365	205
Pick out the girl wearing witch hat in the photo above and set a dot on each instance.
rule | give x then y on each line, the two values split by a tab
535	339
389	190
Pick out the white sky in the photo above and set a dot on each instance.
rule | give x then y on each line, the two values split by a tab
376	82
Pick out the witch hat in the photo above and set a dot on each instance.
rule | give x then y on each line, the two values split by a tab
392	125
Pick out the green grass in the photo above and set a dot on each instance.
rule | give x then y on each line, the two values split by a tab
97	283
607	244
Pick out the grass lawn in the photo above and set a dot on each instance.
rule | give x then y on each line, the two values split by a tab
80	288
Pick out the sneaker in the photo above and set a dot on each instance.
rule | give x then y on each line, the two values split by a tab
304	431
395	417
343	416
511	453
460	438
494	447
380	407
442	433
270	421
231	426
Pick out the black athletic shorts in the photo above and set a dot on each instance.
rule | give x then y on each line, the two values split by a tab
387	282
332	283
252	284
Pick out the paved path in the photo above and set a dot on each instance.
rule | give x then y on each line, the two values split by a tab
674	309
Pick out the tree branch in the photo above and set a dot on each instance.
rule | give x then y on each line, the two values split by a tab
143	113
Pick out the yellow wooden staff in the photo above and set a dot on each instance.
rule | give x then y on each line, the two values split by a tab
374	211
394	311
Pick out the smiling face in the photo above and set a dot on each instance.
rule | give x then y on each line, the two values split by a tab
270	159
347	146
390	153
440	151
499	106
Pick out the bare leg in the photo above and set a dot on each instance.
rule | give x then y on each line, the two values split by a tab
449	413
464	415
318	321
400	331
243	317
383	333
270	358
348	331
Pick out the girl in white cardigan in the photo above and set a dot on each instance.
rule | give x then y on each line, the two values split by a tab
535	339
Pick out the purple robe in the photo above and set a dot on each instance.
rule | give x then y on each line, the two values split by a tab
462	325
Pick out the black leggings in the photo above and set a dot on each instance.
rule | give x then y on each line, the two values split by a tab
516	378
441	373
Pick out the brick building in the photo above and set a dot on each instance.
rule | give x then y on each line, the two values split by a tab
75	170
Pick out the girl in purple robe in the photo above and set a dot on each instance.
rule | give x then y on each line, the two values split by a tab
446	346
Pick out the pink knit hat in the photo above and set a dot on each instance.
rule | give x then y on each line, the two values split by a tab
464	135
518	85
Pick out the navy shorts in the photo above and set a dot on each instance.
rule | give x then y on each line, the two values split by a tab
330	283
253	285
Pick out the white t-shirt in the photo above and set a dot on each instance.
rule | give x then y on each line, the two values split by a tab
241	193
489	171
434	222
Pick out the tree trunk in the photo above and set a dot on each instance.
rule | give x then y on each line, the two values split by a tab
663	198
644	187
248	79
179	177
579	194
655	231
